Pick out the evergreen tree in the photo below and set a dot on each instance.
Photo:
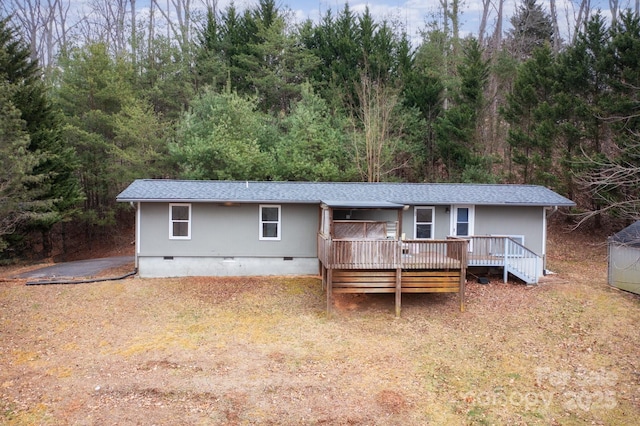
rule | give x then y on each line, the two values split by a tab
166	80
209	63
581	100
223	136
278	62
457	129
348	46
314	144
614	178
115	131
532	27
17	197
54	173
531	115
237	34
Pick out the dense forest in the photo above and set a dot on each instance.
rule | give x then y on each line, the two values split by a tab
87	104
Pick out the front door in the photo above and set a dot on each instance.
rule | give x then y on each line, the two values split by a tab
462	221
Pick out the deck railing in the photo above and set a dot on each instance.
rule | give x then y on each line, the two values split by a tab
391	254
506	252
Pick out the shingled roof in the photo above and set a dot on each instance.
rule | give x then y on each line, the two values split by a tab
161	190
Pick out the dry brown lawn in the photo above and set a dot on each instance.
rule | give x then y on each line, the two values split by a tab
262	351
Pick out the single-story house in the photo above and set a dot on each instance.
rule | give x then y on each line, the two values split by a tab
624	259
371	237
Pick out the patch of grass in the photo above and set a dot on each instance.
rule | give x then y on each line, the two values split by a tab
60	371
157	342
25	356
38	414
478	416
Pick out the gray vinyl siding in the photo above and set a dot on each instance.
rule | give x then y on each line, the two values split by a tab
218	230
504	220
489	220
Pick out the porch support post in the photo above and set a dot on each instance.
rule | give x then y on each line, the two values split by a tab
463	280
329	292
505	270
398	291
464	259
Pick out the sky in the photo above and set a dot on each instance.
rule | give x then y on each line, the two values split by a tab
413	15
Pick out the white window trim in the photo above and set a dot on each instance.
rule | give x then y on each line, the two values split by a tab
171	222
415	221
278	223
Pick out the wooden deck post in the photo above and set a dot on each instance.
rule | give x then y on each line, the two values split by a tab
329	292
505	269
464	259
463	280
398	291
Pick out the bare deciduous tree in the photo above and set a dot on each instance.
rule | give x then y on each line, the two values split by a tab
556	28
580	19
613	8
486	5
375	145
134	42
110	26
42	24
497	32
610	176
180	30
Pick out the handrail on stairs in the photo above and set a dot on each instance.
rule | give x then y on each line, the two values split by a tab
514	257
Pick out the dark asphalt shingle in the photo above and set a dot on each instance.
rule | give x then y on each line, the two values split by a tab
160	190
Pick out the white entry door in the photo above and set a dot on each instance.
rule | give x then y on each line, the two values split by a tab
462	221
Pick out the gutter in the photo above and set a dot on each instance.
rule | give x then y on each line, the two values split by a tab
553	211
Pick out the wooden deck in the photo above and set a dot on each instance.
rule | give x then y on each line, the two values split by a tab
392	266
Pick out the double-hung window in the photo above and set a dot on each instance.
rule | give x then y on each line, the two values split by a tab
179	221
270	222
424	221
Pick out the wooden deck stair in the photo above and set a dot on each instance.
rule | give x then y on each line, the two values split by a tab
505	252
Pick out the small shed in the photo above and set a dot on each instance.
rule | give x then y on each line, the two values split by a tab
624	259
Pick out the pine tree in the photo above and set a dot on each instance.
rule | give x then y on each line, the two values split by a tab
223	137
531	115
532	27
114	130
457	129
581	100
57	185
17	203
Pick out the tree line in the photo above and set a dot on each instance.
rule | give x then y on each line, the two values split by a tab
250	95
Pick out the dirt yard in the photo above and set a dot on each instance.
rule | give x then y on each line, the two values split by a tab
262	351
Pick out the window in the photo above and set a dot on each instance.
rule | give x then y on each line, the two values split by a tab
269	222
424	222
180	221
